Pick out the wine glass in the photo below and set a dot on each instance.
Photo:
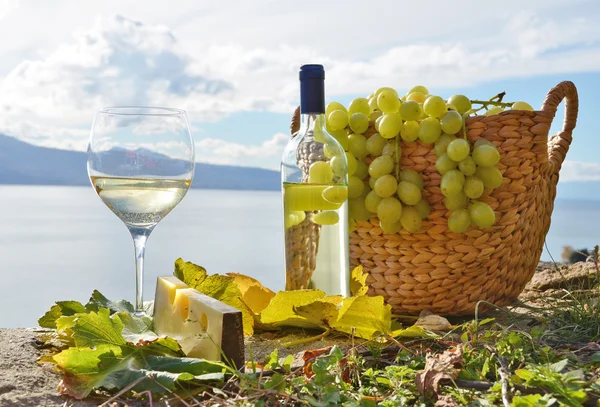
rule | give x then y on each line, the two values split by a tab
141	165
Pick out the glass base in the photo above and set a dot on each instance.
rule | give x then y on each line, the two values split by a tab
139	314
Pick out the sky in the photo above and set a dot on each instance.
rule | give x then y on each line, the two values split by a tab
233	65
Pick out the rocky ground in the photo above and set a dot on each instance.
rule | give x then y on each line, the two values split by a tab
25	383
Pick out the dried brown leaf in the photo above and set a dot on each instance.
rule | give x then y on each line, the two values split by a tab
439	369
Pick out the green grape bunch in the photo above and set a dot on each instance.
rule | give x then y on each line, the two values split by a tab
373	130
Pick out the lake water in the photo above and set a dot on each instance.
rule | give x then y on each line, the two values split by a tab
59	243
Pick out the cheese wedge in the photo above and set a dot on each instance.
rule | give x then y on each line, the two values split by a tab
204	327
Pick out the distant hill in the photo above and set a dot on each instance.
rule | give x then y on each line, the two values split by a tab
26	164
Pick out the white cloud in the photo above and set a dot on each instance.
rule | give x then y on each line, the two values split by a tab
216	151
51	99
6	6
579	171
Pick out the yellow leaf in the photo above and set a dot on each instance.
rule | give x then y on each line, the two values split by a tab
358	282
367	315
322	312
254	294
280	311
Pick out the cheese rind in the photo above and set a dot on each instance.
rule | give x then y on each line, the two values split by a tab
204	327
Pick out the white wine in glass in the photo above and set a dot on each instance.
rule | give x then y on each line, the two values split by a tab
141	165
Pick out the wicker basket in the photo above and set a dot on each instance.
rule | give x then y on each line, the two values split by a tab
449	273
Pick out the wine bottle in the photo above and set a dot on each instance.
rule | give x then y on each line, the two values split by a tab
314	173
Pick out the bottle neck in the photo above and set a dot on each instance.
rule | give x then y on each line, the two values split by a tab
312	96
311	121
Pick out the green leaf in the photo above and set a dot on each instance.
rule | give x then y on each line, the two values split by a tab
182	365
280	311
358	282
93	329
62	308
97	301
413	331
222	288
136	329
559	366
87	369
367	315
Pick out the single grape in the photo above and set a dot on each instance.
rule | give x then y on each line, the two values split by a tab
450	106
461	102
325	218
291	219
336	194
410	130
386	186
329	150
388	102
423	208
320	172
486	155
494	110
456	201
377	121
337	120
357	210
418	88
381	166
390	149
372	181
452	182
441	144
473	187
491	176
411	176
385	89
416	97
430	130
389	127
334	106
375	144
373	104
521	106
434	106
357	145
467	166
372	201
458	149
483	141
451	122
341	137
410	219
351	160
444	164
410	110
482	214
375	115
409	193
359	122
389	210
459	221
339	165
355	187
390	228
359	105
362	170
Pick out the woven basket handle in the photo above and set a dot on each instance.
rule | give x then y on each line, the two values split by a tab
558	145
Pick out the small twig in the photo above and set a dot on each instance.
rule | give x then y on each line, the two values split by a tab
504	376
306	340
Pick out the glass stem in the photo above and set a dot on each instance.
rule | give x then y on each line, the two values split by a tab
140	236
